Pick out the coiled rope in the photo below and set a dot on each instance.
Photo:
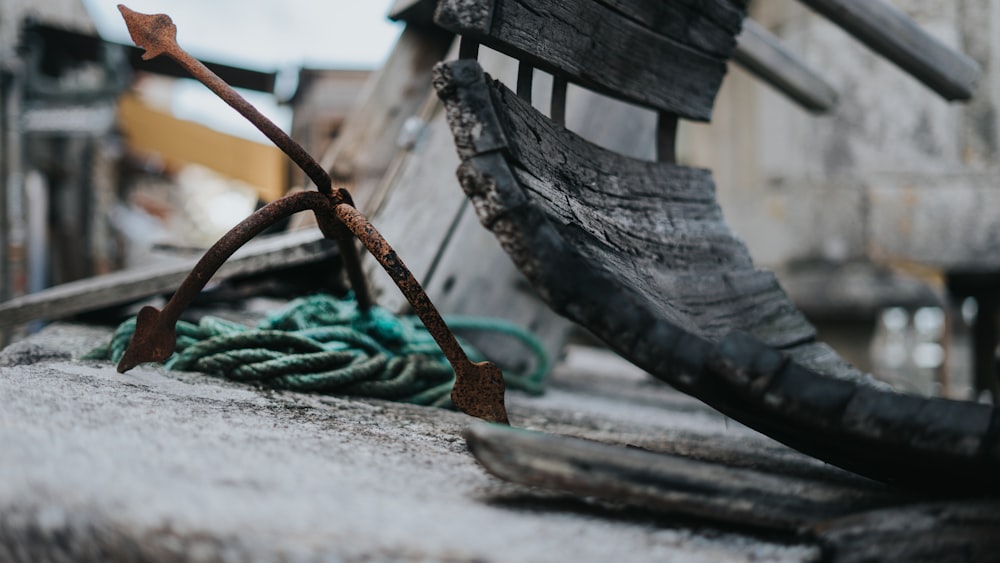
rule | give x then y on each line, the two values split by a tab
324	344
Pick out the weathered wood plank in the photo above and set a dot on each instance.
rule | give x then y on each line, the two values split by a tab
891	33
366	148
763	54
706	26
942	531
567	211
262	255
657	224
850	523
594	45
417	211
899	438
473	276
666	483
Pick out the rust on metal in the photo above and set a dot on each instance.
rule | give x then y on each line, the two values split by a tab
154	337
157	34
479	387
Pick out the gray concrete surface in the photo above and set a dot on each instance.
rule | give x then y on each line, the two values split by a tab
166	466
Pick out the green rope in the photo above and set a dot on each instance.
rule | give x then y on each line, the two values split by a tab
323	344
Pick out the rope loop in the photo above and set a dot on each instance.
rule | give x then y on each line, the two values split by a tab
325	345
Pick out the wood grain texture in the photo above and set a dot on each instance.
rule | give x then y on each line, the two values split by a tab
892	34
664	55
707	26
850	521
364	151
657	224
667	483
638	252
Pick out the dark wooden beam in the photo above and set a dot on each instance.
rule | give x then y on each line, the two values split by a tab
668	483
622	48
638	252
892	34
767	58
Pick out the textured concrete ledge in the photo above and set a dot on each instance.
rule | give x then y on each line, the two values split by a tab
164	466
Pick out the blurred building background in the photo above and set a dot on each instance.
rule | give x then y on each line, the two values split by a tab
108	159
59	145
873	212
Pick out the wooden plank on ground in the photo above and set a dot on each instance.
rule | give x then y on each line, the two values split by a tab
261	255
852	522
667	483
892	34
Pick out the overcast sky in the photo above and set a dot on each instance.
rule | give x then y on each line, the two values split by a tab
268	34
262	35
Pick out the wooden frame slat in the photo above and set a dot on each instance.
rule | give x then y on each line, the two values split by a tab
596	45
895	36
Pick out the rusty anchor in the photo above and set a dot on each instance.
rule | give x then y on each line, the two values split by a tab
479	386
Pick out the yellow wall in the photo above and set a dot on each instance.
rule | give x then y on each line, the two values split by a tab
181	142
